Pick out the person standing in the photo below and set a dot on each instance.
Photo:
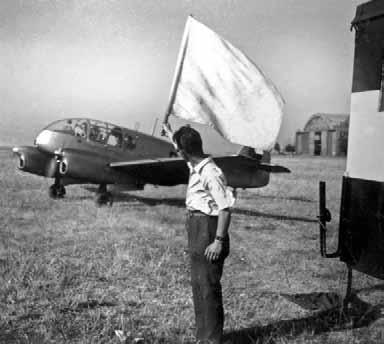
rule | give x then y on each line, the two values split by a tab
208	201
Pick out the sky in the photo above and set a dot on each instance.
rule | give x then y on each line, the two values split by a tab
114	60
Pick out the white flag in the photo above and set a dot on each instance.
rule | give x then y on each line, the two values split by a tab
217	85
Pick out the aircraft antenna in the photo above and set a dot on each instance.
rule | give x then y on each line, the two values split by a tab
154	126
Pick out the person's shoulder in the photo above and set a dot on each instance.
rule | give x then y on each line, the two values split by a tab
211	169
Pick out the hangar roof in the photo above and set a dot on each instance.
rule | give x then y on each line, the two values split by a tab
324	121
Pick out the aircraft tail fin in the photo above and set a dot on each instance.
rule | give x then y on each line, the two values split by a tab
263	160
250	153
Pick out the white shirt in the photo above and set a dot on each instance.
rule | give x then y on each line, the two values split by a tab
207	189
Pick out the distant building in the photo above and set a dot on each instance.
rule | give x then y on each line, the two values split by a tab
324	134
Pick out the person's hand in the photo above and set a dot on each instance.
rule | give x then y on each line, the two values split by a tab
212	252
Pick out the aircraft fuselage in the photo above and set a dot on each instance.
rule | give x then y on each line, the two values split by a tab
81	151
84	156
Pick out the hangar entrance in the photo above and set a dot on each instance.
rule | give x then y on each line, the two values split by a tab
317	143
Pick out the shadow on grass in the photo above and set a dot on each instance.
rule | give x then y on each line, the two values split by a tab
25	328
86	305
180	203
288	198
281	217
315	301
360	314
379	287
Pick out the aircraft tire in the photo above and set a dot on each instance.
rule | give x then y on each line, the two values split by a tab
61	191
104	199
56	191
52	191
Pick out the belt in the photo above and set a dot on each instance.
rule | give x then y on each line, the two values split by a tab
191	212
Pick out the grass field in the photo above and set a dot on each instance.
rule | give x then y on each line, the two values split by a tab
74	273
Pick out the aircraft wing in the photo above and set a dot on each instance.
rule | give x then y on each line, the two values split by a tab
174	171
159	171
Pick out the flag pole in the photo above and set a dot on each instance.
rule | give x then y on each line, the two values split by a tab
177	74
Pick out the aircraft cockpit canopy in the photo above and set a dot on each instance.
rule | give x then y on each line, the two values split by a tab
96	131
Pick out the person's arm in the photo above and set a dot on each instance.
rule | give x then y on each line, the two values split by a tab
217	187
213	251
223	223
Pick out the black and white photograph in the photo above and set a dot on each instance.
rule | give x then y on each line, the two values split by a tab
192	171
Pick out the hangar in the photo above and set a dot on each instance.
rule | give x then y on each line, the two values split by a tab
324	134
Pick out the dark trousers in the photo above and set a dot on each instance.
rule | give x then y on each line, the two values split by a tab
205	278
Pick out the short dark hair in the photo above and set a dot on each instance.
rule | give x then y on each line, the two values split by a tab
189	140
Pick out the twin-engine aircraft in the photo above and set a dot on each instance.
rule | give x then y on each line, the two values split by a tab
88	151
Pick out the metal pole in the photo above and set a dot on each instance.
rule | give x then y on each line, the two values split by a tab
154	126
178	70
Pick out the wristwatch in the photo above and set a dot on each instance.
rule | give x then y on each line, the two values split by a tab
219	238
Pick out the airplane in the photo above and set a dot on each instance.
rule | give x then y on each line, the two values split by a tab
89	151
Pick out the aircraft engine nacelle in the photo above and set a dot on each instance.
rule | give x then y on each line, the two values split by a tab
32	160
91	168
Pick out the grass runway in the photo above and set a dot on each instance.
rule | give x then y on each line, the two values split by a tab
74	273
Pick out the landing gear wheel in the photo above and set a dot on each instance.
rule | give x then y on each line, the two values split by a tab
104	198
52	191
61	191
56	191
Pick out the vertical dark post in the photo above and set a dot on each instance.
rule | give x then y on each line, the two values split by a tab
348	293
322	210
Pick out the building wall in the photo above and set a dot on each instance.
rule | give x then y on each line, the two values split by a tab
329	143
330	139
299	143
324	142
311	143
302	143
305	142
335	147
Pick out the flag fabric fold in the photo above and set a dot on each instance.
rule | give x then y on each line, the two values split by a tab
217	85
